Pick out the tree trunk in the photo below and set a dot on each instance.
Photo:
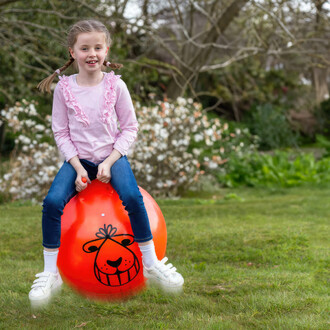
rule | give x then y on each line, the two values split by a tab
320	74
320	84
178	86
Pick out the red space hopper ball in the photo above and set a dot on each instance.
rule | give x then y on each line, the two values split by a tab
98	256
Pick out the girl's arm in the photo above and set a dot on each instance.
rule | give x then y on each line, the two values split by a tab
60	125
103	170
129	128
127	119
114	156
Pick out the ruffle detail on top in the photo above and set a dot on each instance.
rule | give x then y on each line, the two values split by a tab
72	102
110	97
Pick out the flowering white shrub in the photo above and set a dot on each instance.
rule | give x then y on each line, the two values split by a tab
176	145
35	160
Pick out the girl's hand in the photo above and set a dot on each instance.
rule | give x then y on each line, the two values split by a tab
80	185
103	173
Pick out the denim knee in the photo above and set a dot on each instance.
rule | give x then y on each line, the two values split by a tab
133	201
53	203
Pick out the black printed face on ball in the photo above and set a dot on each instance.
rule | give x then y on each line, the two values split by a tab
115	264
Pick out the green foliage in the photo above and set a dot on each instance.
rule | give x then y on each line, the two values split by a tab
270	124
280	169
324	112
246	83
36	47
325	143
261	98
143	79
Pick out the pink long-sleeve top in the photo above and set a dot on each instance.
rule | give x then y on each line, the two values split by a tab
84	119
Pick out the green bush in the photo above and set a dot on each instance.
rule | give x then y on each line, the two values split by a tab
324	112
281	169
324	143
270	123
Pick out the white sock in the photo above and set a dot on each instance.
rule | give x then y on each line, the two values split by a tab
50	260
148	254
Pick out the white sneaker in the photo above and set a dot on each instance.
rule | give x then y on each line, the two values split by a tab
164	276
46	285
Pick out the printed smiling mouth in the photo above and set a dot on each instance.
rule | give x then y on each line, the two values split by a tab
119	277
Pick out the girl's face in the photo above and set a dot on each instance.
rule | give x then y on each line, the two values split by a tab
89	51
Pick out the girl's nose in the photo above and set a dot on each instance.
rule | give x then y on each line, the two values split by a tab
92	53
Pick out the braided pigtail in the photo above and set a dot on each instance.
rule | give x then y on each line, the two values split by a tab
44	85
114	66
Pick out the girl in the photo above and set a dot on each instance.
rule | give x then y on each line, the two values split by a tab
85	110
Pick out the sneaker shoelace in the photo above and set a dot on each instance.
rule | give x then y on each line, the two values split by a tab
41	280
168	269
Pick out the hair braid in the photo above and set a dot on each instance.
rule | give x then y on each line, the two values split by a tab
44	85
114	66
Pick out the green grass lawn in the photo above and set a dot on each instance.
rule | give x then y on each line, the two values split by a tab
251	259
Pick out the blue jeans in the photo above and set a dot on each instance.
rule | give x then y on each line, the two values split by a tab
63	189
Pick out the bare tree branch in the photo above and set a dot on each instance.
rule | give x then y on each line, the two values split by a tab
206	14
281	24
83	4
233	59
38	26
42	11
6	2
201	55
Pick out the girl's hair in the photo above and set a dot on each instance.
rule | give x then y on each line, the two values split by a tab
74	31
